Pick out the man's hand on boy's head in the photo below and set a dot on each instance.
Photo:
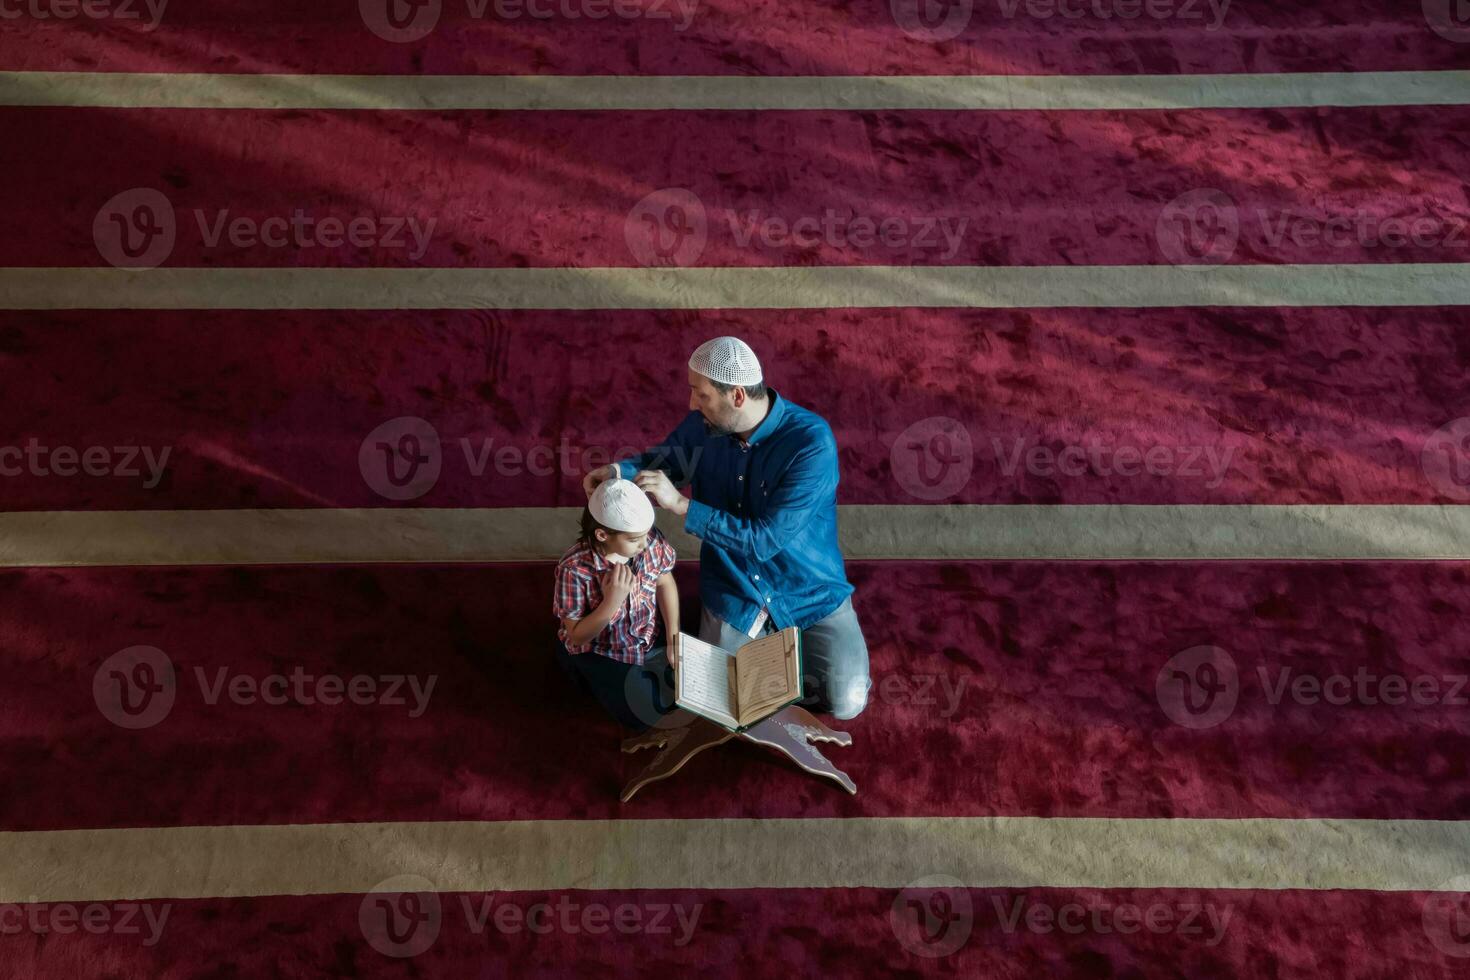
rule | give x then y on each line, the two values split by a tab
656	484
597	477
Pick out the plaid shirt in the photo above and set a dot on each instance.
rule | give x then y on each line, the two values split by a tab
629	637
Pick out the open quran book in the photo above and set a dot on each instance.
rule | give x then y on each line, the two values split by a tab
737	689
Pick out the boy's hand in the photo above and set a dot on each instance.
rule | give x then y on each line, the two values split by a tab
617	583
597	477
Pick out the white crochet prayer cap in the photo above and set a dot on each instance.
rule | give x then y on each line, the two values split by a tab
622	506
728	360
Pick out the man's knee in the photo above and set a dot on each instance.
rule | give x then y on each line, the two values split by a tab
849	696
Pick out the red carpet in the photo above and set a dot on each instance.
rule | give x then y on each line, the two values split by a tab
1003	689
1297	405
736	933
728	37
554	189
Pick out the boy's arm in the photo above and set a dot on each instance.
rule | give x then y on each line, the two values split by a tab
616	585
668	607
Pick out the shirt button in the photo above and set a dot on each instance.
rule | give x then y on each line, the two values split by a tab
757	578
740	478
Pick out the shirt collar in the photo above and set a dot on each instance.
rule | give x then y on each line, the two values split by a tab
594	559
772	420
599	562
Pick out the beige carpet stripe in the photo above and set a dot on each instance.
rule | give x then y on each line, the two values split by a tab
784	287
868	532
536	855
621	92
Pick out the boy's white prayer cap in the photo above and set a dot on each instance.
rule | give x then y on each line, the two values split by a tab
728	360
621	505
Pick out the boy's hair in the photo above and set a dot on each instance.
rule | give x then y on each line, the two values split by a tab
589	528
756	391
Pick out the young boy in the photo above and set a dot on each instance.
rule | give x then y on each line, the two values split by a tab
611	587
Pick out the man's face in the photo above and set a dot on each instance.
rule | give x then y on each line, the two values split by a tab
717	407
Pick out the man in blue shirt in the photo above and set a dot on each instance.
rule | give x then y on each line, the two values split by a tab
762	473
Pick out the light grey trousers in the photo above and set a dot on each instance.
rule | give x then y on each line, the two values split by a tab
834	657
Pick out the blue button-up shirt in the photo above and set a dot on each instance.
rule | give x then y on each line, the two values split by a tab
765	512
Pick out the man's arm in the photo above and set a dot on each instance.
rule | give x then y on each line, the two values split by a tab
805	489
676	456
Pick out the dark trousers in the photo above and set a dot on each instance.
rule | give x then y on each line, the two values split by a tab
636	696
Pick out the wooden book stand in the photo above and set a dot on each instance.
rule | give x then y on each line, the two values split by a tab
681	735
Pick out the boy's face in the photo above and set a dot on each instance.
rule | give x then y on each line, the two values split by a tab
718	408
627	544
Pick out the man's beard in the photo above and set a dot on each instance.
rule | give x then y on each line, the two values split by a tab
715	429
